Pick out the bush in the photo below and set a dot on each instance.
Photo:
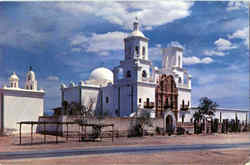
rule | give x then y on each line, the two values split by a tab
159	130
180	131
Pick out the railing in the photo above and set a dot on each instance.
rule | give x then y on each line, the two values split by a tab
183	86
148	104
184	107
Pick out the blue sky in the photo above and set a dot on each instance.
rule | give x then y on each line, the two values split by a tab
65	41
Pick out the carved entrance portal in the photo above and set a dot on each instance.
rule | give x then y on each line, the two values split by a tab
166	95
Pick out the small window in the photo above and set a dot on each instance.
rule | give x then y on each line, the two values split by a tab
144	73
139	100
128	73
148	100
107	100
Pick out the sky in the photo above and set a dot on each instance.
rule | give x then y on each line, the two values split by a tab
65	41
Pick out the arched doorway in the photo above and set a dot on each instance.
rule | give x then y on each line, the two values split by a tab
169	124
169	121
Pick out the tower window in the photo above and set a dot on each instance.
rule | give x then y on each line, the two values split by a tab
137	50
139	100
143	52
107	100
128	73
179	61
144	73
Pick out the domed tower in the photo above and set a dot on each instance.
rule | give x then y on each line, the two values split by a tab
13	80
31	82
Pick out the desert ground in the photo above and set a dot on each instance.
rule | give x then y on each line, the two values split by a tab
232	156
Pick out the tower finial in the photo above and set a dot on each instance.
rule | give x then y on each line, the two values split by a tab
136	24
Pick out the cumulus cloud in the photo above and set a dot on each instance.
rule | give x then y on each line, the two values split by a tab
99	43
53	78
236	5
241	34
195	60
223	44
213	53
122	13
175	44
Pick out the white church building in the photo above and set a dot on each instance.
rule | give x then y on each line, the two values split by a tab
137	85
131	86
20	104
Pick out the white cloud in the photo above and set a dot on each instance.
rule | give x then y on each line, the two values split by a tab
213	53
236	5
175	44
122	13
195	60
99	43
241	34
223	44
53	78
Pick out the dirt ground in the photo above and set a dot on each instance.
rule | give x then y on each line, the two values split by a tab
227	157
232	157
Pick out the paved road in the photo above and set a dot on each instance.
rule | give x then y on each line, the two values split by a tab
118	150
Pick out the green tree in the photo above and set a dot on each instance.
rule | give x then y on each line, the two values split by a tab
207	106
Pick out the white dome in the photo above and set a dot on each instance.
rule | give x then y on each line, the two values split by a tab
101	74
14	77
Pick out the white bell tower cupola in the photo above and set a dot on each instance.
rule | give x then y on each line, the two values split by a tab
31	82
13	80
136	44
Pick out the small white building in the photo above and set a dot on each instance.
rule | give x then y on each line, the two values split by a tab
17	104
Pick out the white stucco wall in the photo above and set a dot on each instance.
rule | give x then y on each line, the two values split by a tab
71	94
108	107
144	92
19	107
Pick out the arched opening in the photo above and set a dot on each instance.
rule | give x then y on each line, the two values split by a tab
169	124
179	81
179	61
128	74
144	74
137	50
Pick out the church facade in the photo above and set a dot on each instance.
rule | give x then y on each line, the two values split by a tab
20	104
136	84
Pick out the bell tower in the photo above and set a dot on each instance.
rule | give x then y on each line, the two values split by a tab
136	44
31	82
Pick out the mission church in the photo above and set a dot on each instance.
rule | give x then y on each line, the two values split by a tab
136	84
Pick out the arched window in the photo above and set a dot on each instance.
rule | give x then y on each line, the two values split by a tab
11	85
144	73
143	52
128	73
137	50
183	103
179	81
179	61
107	100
